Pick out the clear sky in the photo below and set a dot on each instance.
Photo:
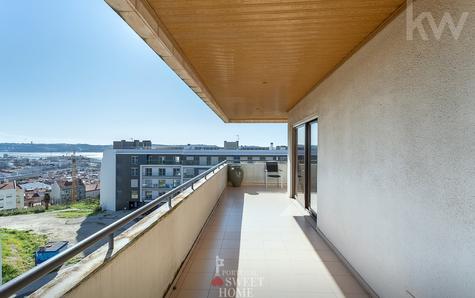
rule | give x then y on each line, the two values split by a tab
73	71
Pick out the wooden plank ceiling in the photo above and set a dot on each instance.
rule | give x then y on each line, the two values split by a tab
252	61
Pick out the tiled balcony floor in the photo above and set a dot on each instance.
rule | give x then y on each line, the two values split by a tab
266	242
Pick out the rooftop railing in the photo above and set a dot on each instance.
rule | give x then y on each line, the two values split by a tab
22	281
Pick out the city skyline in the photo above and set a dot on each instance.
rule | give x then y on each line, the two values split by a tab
94	80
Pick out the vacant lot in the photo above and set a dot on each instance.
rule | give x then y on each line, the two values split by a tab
79	209
33	230
17	251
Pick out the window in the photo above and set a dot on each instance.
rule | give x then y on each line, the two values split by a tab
176	183
147	183
161	172
190	158
203	160
176	172
134	183
153	159
214	160
255	158
134	194
134	160
162	183
188	172
134	172
148	171
148	195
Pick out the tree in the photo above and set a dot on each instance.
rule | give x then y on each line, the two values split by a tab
47	200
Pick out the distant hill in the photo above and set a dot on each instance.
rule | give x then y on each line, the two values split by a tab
28	147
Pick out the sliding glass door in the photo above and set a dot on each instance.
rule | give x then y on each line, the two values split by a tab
300	165
313	165
306	165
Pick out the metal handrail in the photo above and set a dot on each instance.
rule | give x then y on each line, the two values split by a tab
23	280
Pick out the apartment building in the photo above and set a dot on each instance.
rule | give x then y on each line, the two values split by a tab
132	177
11	196
61	191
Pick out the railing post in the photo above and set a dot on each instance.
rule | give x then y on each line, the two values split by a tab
111	241
169	201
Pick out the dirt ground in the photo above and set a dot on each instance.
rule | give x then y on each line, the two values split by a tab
56	229
72	230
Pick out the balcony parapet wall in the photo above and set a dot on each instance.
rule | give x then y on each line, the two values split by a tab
147	256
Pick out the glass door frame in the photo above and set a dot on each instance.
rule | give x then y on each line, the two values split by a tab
296	164
307	156
308	165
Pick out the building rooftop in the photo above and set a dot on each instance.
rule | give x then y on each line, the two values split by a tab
93	187
35	185
217	152
10	185
68	184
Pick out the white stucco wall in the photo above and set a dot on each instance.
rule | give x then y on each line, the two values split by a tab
7	199
397	158
108	180
20	198
55	193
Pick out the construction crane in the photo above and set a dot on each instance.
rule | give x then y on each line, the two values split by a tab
74	174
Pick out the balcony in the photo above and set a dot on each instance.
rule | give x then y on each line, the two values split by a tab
261	235
268	244
391	114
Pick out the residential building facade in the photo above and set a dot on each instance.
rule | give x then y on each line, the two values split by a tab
61	191
93	190
11	196
130	178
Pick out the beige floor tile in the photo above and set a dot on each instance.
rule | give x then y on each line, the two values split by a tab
192	294
327	255
197	281
202	265
336	268
348	285
231	243
264	234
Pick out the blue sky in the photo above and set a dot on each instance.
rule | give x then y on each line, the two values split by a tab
73	71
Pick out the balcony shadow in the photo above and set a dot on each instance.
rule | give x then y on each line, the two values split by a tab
213	267
339	273
25	292
93	223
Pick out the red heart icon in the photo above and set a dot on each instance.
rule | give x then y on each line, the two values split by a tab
217	281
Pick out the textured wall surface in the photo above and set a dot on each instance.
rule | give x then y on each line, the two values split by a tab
397	157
